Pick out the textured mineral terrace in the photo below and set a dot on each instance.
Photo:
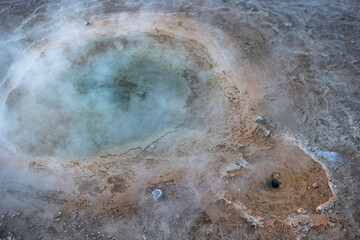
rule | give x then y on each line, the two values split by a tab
179	119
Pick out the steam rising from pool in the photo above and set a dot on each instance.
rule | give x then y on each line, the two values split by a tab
161	97
78	98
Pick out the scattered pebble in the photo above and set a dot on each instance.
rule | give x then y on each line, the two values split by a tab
318	209
235	167
270	98
157	193
244	163
145	236
267	133
259	119
315	185
16	214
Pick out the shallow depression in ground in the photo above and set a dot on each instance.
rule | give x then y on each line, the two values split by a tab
76	99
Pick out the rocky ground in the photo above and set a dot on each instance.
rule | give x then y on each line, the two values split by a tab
269	149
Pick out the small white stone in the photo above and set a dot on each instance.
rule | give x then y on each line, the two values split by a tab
315	185
267	133
157	193
235	167
319	209
259	119
145	236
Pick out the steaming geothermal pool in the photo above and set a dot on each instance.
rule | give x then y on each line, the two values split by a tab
78	98
179	120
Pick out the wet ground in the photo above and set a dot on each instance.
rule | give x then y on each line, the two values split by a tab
269	147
